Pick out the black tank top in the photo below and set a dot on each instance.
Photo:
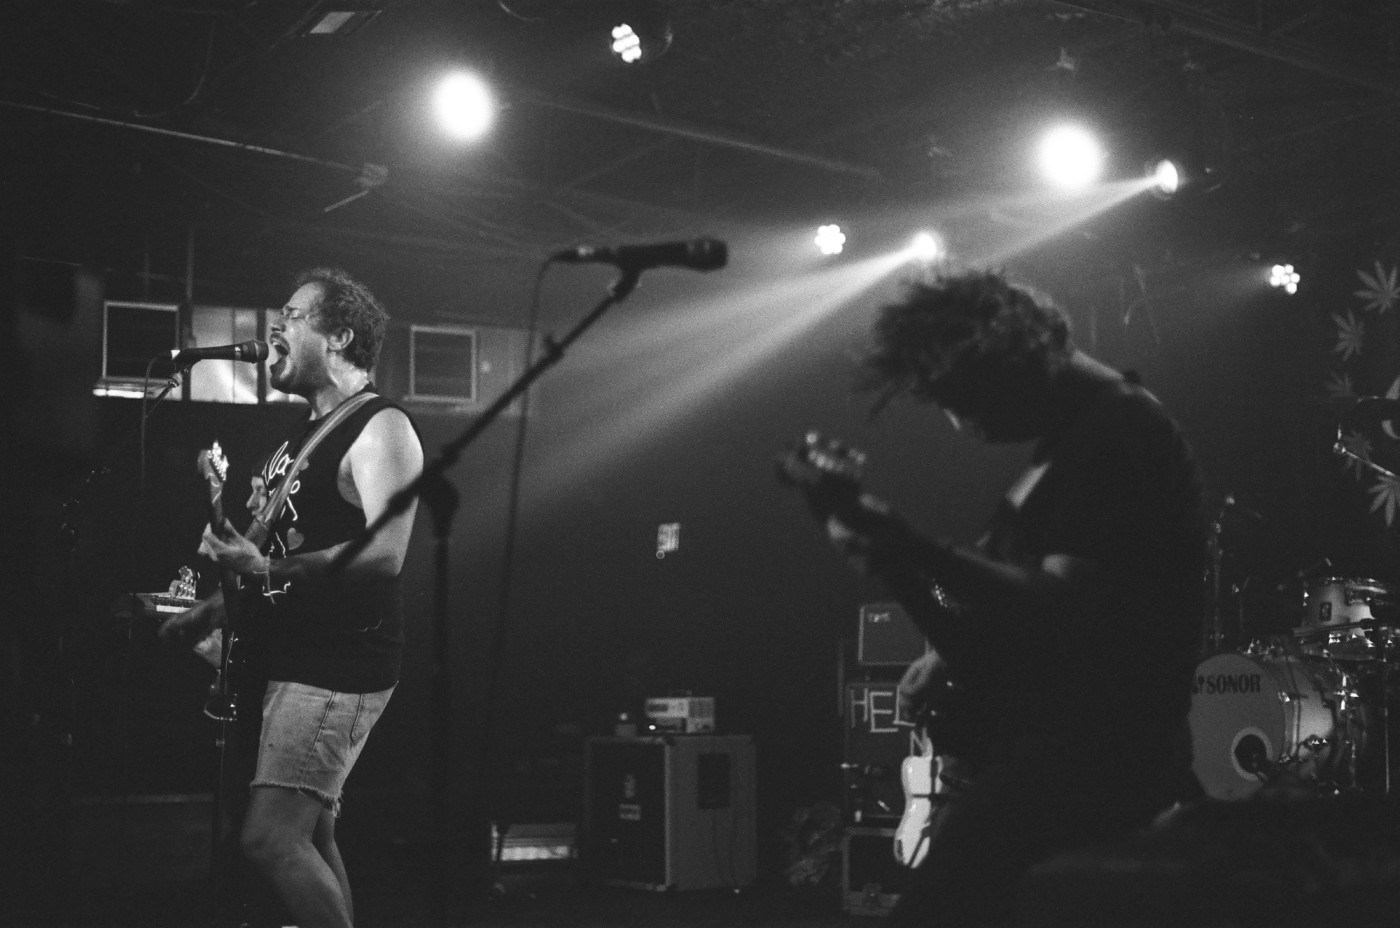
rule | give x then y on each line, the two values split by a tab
339	634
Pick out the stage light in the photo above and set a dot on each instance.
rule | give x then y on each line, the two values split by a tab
640	31
626	45
1285	278
1165	178
830	239
926	247
340	18
1070	158
464	106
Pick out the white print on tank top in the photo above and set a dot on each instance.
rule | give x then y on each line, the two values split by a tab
277	466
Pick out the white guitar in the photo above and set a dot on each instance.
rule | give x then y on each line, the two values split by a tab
919	775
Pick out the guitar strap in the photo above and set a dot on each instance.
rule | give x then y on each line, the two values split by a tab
263	521
261	530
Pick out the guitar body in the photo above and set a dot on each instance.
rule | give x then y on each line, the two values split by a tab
917	774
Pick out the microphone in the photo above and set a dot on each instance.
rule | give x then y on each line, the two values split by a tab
251	351
700	254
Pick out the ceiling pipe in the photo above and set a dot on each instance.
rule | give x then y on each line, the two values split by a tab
696	133
1172	17
186	136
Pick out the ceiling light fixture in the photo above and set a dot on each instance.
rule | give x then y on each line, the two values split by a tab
1165	178
340	18
639	30
1285	278
926	247
464	105
1071	158
830	240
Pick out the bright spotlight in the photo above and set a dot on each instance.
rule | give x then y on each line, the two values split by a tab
926	247
1165	178
463	105
641	31
1285	278
626	44
830	239
1070	158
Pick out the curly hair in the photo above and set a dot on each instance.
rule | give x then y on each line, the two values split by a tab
347	302
956	338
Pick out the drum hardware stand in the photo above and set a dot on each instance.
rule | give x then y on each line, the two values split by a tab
1387	758
1340	449
1215	639
1347	695
1237	591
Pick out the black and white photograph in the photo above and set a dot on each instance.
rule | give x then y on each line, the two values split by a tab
699	463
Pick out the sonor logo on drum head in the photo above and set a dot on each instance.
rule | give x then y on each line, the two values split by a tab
1227	683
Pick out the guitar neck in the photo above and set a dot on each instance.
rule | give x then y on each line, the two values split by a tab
229	582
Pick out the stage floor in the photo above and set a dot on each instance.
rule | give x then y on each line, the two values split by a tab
406	902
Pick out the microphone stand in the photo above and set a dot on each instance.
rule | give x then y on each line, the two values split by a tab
1215	638
219	797
224	884
437	493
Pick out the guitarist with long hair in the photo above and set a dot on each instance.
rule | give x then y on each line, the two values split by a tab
1064	642
330	647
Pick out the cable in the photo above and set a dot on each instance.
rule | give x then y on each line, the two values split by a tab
496	648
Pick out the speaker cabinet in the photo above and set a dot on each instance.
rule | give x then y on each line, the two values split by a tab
871	878
888	637
670	813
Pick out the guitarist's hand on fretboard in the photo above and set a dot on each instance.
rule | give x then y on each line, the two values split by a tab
231	551
922	687
867	532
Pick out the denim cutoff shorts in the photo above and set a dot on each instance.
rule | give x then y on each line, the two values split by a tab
311	738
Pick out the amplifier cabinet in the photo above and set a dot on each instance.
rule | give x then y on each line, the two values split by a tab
670	812
888	637
871	878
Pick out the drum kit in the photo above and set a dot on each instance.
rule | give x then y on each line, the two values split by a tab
1316	711
1310	714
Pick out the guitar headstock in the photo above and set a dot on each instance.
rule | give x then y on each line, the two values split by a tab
184	586
818	462
213	466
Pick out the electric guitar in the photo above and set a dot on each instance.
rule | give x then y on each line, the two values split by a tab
222	705
829	473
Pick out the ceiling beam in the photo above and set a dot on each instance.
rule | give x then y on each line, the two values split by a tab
696	133
1174	17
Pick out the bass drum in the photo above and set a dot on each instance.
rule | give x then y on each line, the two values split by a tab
1255	719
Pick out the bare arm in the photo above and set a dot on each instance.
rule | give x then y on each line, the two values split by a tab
887	546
